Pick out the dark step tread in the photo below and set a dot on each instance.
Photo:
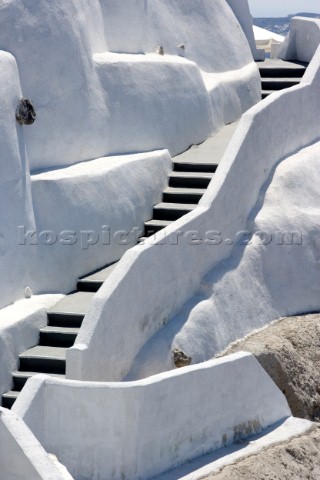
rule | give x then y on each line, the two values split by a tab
182	195
281	79
160	223
188	207
20	378
191	175
63	330
12	394
9	398
269	84
185	191
44	359
282	72
27	375
183	166
172	211
58	336
99	276
74	304
45	353
266	93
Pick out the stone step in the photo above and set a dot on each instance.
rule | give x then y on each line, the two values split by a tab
266	93
20	378
182	195
194	167
93	281
270	72
142	239
58	336
9	398
190	180
172	211
43	359
70	311
153	226
279	83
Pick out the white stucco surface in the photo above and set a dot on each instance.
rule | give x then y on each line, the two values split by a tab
86	207
226	206
140	429
19	330
78	113
302	41
198	25
148	97
213	463
99	91
275	275
15	195
21	455
232	93
241	10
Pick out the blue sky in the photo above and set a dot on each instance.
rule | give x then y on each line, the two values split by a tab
282	8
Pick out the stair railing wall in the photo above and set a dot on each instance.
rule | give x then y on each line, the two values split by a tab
153	281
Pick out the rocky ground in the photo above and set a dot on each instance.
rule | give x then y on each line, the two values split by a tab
289	350
298	459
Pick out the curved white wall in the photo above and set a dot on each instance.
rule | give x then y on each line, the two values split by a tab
21	455
15	192
162	291
273	272
91	103
241	10
302	41
78	117
93	200
140	429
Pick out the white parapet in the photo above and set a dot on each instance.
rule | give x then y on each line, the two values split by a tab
112	326
21	455
302	41
89	214
140	429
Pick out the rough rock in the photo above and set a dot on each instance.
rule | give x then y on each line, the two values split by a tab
25	113
288	350
180	359
296	460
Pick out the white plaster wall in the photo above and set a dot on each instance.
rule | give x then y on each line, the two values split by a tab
106	332
140	429
139	26
153	102
242	12
21	455
77	113
15	196
271	277
200	26
19	330
53	44
232	93
103	195
302	41
93	104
